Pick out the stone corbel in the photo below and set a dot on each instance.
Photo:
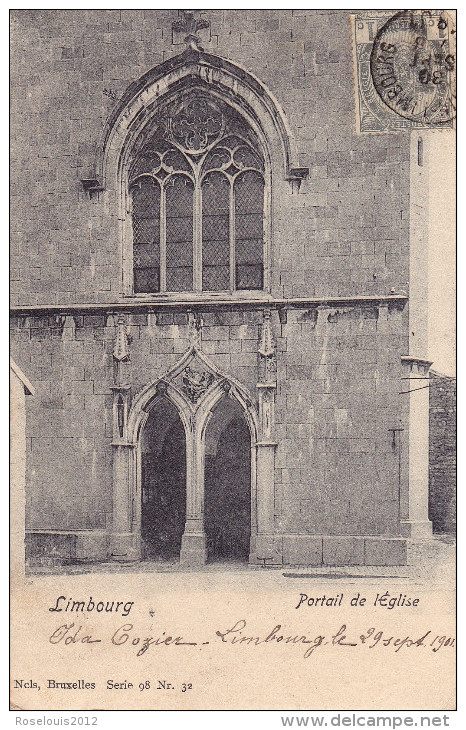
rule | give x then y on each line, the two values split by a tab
415	367
92	186
68	324
295	177
282	315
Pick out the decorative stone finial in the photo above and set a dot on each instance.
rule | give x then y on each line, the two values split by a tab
266	346
189	24
267	350
121	351
195	329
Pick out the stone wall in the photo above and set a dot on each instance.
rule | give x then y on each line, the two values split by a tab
442	452
343	233
346	231
337	398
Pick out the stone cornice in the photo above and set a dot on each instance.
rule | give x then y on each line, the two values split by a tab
417	367
141	306
412	359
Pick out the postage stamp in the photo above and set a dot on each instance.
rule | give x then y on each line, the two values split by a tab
405	69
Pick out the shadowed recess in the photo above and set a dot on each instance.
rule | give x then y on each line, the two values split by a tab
228	483
163	482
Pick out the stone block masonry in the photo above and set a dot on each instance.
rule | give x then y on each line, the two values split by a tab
312	361
69	67
336	471
442	452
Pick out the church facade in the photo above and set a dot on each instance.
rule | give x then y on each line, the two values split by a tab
212	293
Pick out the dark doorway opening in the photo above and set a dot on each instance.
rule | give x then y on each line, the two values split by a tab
163	513
228	483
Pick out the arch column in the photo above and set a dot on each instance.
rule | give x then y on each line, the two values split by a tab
193	548
193	543
415	521
124	541
266	547
195	410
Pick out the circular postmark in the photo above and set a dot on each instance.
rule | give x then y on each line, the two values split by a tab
413	65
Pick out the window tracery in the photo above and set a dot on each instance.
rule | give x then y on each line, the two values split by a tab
197	201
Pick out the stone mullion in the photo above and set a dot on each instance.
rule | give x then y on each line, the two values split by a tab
266	545
232	238
126	232
197	236
267	231
163	239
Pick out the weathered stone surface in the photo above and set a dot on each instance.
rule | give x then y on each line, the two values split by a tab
345	233
302	550
343	551
442	453
384	551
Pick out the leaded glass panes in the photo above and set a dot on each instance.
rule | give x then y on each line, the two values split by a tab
176	161
215	232
217	159
147	280
202	170
244	156
249	224
179	233
147	162
146	235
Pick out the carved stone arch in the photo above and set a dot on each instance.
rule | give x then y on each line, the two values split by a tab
141	406
229	81
141	403
194	413
230	84
210	390
230	387
127	467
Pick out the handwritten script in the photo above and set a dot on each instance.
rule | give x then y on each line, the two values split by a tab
239	635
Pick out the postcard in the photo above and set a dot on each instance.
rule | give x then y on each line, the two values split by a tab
233	390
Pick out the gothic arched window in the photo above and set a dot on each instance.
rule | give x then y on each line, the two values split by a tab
197	201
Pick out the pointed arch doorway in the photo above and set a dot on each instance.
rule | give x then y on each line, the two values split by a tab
163	483
227	483
221	487
191	477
